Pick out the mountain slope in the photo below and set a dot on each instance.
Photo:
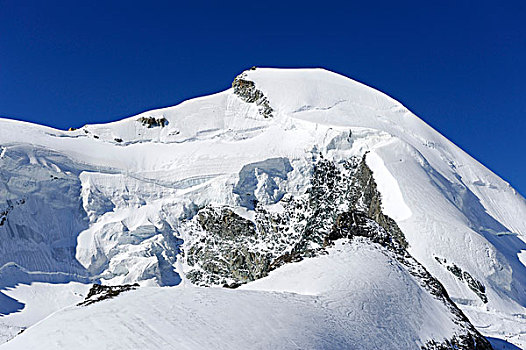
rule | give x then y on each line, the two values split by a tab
223	189
366	303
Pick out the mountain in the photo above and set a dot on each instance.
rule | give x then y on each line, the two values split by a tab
297	209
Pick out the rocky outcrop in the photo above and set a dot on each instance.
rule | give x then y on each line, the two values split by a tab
152	122
342	202
370	202
11	205
98	292
476	286
247	91
222	254
466	341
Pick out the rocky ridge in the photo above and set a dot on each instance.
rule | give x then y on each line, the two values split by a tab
342	202
476	286
246	90
99	292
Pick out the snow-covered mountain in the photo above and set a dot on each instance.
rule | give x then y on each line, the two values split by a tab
330	215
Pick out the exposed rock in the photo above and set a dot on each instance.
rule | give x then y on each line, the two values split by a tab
247	91
99	292
222	256
226	224
476	286
466	342
356	224
152	122
10	206
228	249
343	202
370	201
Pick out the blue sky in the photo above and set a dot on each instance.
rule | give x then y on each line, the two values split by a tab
459	65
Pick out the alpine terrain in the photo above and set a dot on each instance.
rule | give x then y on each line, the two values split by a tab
298	209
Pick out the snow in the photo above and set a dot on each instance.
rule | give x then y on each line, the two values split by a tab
38	301
43	299
364	302
99	209
393	200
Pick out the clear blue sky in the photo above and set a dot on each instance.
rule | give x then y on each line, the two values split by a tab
459	65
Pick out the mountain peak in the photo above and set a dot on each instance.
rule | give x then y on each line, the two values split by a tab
299	89
275	183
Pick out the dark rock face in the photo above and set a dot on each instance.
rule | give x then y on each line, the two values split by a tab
476	286
98	292
226	224
152	122
11	205
342	202
372	203
247	91
355	224
224	256
467	341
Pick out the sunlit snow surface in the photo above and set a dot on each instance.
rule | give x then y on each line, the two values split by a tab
353	298
102	202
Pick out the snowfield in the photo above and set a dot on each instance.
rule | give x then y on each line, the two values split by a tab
353	298
112	203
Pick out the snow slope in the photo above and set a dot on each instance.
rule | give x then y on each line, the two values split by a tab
108	203
365	303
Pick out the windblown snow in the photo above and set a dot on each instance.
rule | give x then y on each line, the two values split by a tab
113	204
